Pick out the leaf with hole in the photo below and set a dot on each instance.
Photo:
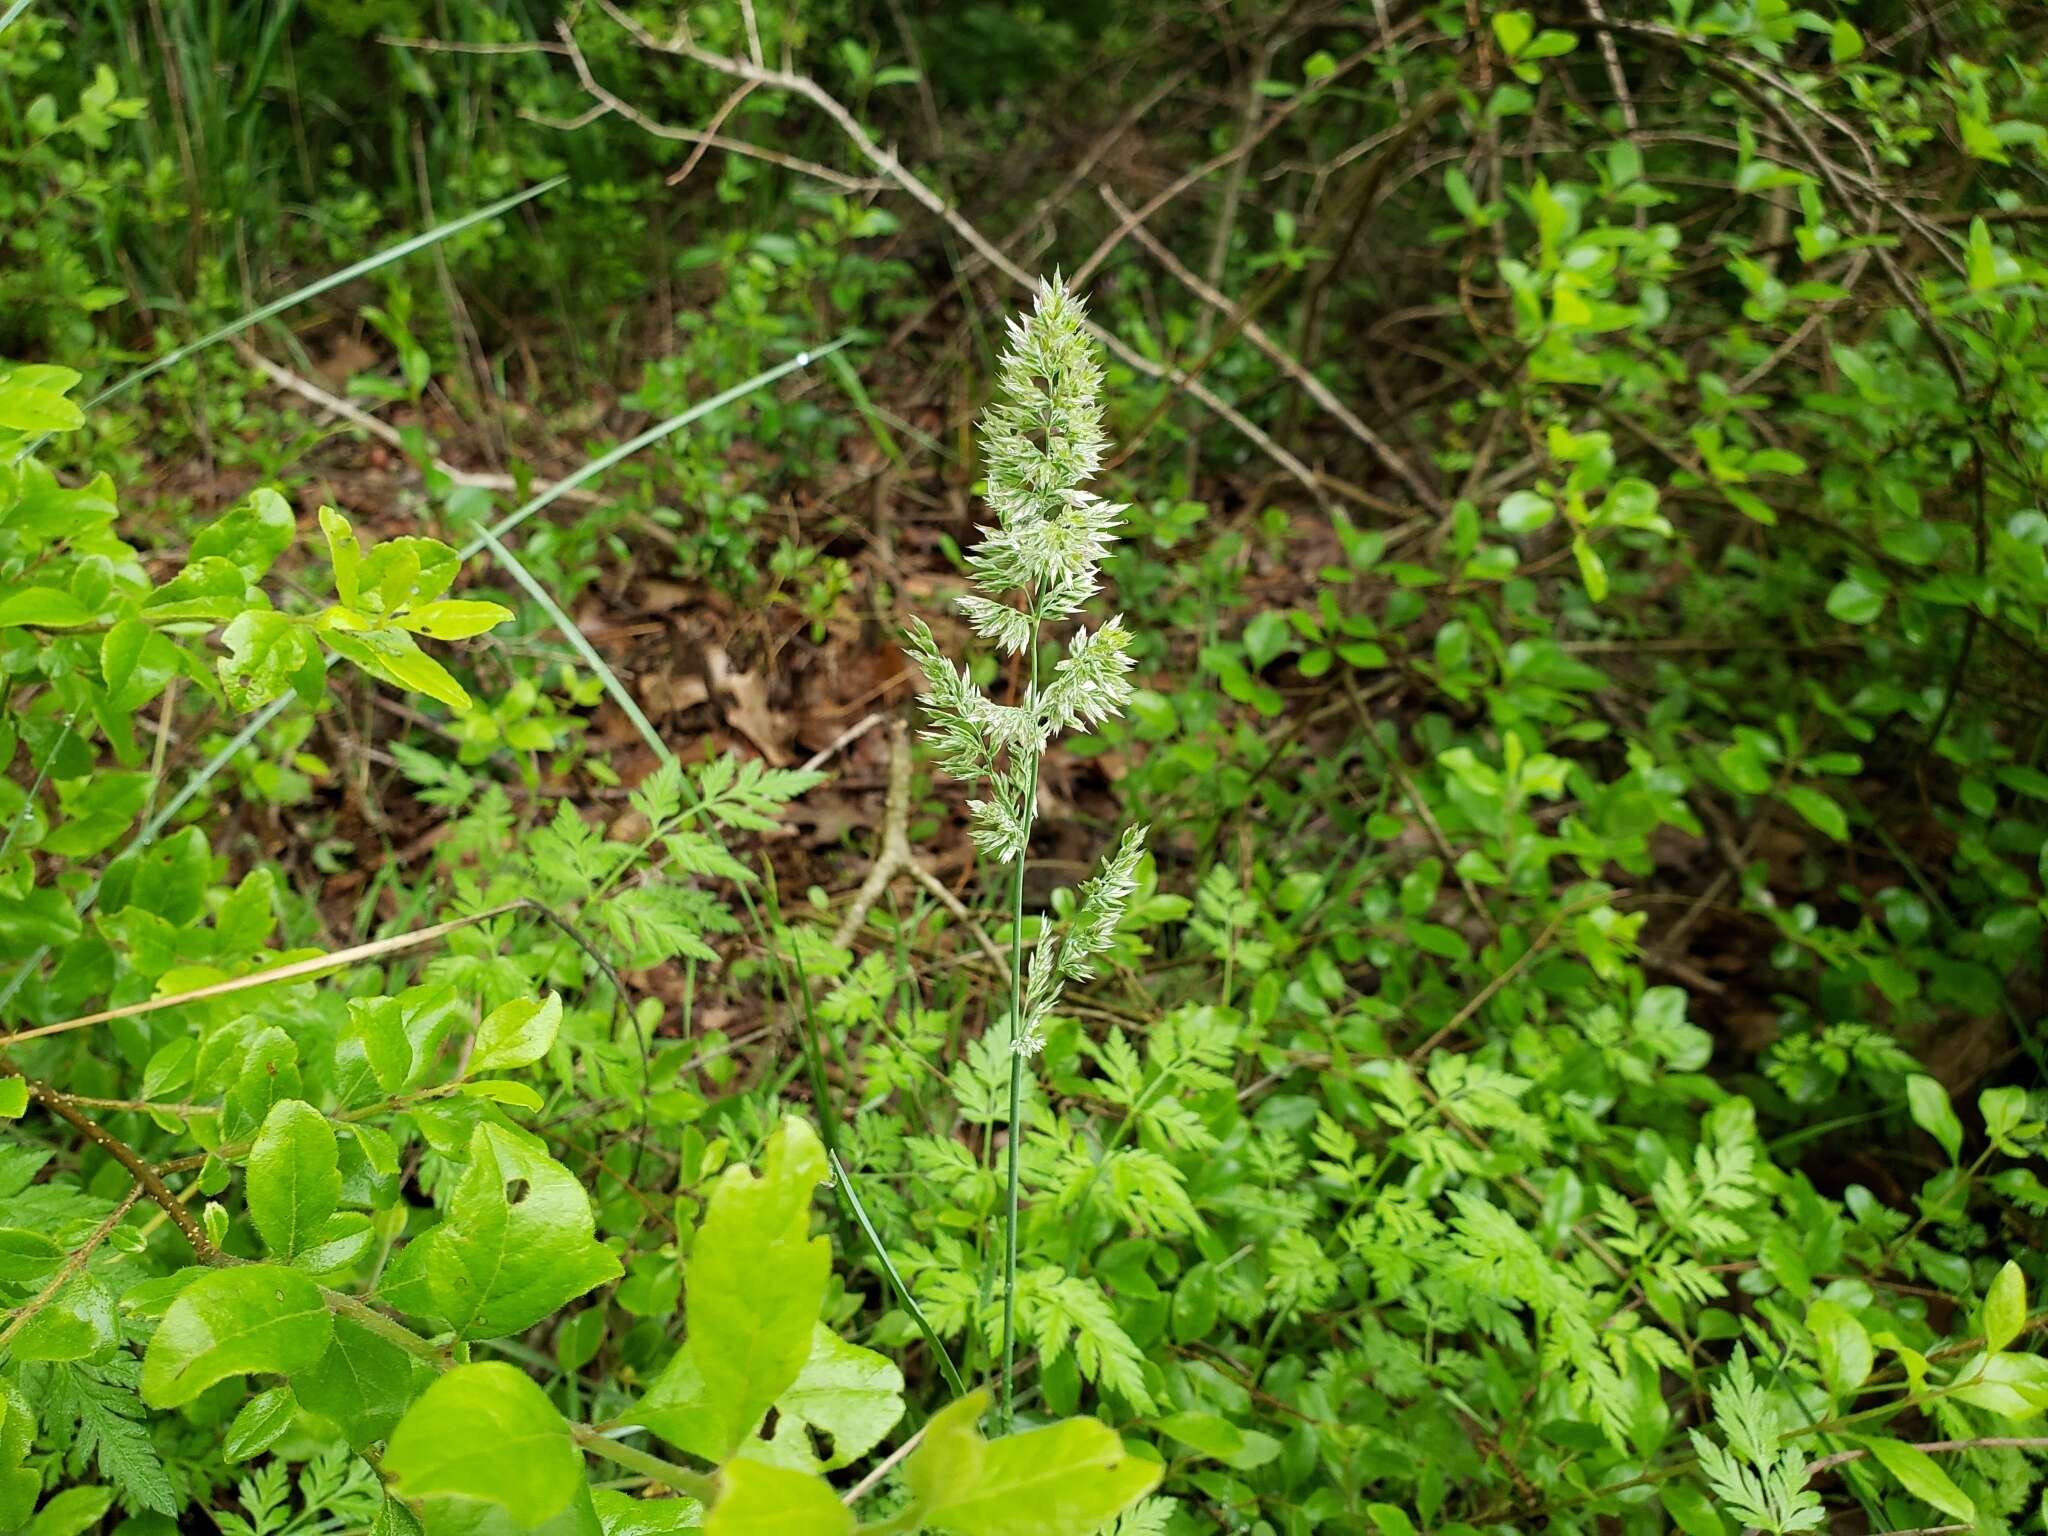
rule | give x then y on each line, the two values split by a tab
518	1242
841	1404
753	1290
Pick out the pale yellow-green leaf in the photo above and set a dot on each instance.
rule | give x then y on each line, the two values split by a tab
759	1500
1067	1479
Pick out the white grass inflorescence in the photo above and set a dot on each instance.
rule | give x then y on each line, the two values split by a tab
1039	564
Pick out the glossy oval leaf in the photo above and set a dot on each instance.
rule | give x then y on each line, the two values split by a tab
229	1322
486	1434
517	1034
294	1179
1067	1479
759	1500
1920	1475
260	1425
755	1285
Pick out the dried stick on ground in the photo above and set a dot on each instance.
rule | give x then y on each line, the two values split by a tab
1266	128
383	431
703	139
895	857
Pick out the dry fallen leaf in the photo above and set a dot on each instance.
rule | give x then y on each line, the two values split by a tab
666	693
745	698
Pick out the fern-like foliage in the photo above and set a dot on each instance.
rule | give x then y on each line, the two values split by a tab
1759	1481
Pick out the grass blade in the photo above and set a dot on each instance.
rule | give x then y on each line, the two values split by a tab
843	1182
261	720
828	1123
578	641
655	434
492	538
296	970
313	290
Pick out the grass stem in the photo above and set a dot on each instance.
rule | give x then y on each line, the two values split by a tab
1017	1059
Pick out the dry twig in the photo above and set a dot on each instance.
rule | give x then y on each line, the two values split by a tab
895	857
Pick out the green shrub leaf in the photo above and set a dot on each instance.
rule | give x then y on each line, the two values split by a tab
2005	1308
1928	1102
1845	1353
517	1034
1067	1479
759	1500
294	1177
230	1322
260	1425
1920	1476
518	1242
755	1284
485	1434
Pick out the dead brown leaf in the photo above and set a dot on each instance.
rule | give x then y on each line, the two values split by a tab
744	696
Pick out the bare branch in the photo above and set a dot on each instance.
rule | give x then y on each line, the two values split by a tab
894	169
1286	361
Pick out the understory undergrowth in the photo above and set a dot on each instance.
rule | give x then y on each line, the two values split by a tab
503	1028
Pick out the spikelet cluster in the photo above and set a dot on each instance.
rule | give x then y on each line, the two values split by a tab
1039	563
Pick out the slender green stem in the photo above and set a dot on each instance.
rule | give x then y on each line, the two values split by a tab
696	1484
843	1182
1010	1242
828	1121
1016	1077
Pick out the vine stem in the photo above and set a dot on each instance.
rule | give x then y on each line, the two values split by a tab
683	1480
1017	1059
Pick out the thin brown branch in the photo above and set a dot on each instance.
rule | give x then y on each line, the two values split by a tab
1241	322
1936	1448
145	1173
383	431
68	1271
1190	178
612	102
920	192
895	857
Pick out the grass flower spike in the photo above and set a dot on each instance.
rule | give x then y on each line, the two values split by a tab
1039	564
